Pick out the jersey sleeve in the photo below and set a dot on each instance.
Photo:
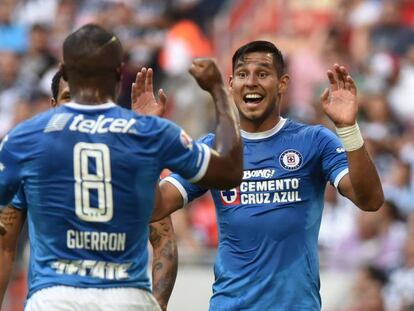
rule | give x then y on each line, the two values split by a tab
180	154
189	191
10	167
334	160
19	199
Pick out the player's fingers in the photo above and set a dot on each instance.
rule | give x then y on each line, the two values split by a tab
163	101
351	85
163	97
344	72
149	80
324	97
332	80
339	76
134	94
140	83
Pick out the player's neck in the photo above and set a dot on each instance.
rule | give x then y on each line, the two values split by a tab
257	127
92	96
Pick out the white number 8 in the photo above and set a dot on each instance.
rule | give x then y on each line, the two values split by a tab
100	180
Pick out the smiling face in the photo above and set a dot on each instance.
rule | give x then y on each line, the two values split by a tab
257	89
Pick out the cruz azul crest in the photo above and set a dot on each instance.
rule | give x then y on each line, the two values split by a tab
291	160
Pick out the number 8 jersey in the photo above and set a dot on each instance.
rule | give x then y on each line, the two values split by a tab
87	177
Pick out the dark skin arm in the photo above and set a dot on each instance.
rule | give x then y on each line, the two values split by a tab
225	169
168	200
362	185
2	229
13	220
165	260
168	197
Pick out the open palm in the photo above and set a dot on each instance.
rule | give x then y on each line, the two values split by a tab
339	101
142	95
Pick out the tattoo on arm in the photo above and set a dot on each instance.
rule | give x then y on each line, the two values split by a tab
165	263
9	216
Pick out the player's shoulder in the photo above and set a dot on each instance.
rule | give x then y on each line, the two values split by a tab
32	126
153	125
309	130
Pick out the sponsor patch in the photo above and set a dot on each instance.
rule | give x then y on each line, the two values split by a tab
291	160
186	140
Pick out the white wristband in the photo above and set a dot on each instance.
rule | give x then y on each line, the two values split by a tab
350	137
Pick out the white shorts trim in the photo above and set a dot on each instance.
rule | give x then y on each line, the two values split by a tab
63	298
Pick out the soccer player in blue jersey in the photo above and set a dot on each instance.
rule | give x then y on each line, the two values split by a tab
89	170
268	226
162	238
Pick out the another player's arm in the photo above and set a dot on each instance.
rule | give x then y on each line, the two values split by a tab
13	219
167	200
225	168
162	237
362	185
165	260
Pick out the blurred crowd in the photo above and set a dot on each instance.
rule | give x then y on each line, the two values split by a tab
370	254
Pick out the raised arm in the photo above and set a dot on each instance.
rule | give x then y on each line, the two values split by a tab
225	169
13	220
362	185
162	237
165	260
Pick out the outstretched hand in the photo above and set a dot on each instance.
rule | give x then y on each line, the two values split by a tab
339	101
206	73
142	95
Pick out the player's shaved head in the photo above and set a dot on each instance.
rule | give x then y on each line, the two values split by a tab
92	50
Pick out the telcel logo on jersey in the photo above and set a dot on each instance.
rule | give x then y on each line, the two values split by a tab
291	160
101	125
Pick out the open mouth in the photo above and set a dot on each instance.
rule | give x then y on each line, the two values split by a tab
252	98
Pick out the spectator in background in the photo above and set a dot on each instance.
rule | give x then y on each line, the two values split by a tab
13	36
399	294
366	294
377	239
38	59
14	86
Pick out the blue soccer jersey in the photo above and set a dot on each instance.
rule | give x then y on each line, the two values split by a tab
268	226
88	177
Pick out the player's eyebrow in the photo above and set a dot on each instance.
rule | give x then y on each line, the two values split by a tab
260	64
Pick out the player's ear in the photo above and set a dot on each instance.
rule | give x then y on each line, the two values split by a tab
231	82
62	69
53	102
283	83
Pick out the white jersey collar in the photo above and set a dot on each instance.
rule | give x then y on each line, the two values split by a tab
90	107
265	134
